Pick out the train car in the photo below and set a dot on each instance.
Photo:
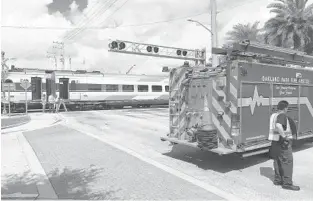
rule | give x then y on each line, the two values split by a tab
81	89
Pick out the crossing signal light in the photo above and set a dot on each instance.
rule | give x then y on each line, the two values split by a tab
117	45
150	48
180	52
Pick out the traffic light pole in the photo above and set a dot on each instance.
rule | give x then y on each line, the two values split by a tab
213	34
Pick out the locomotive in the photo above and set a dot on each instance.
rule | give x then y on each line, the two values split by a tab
81	89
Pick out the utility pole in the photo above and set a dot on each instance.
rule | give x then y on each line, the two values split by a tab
214	37
60	46
52	55
70	62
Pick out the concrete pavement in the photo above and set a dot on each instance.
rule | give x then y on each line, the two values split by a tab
55	162
81	167
140	130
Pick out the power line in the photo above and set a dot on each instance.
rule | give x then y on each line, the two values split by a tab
248	2
93	16
129	25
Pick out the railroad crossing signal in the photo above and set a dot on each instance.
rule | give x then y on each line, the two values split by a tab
8	87
128	47
25	84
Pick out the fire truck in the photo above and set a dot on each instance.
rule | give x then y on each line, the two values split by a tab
227	109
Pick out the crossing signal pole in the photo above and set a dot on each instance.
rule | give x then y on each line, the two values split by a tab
127	47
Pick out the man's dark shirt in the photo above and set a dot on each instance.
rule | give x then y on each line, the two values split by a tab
282	119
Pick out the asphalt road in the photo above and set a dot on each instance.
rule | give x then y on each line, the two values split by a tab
81	167
250	178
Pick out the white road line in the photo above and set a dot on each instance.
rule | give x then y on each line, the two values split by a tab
165	168
44	186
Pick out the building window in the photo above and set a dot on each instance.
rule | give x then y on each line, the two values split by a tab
143	88
128	88
111	88
167	88
156	88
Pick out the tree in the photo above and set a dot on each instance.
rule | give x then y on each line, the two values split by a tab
242	32
292	26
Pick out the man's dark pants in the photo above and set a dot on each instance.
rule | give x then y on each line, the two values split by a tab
283	162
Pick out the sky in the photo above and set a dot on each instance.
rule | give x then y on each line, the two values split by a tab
131	20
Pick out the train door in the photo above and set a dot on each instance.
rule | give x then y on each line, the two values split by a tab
64	88
50	84
36	88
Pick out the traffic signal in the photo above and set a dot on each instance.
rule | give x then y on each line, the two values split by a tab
150	48
117	45
181	52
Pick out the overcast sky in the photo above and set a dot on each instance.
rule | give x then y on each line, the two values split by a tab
88	49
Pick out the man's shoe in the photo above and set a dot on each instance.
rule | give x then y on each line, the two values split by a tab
278	183
291	187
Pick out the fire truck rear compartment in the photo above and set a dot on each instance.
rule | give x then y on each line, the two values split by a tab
191	110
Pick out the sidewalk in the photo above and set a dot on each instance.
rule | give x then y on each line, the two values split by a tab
18	175
38	120
13	121
16	178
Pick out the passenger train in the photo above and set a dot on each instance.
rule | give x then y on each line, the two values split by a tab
81	89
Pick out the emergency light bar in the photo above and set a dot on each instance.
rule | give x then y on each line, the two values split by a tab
276	54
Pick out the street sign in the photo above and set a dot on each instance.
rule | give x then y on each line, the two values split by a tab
25	84
8	86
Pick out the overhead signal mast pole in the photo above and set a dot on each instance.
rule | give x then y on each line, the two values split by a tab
127	47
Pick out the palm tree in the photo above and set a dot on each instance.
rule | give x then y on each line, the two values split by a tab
292	27
242	32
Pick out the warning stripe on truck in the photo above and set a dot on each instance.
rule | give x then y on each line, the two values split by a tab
224	108
178	107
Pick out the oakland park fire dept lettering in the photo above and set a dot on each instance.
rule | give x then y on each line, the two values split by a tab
285	80
286	90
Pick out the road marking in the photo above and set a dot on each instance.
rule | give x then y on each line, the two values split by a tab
45	188
193	180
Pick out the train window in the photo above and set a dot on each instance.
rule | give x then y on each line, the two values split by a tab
143	88
81	87
167	88
156	88
111	87
128	88
94	87
73	86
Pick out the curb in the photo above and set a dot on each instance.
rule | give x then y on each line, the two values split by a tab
18	124
19	196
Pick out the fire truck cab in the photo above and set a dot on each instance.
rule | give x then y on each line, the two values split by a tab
227	109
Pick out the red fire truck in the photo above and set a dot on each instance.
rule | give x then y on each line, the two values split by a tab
227	109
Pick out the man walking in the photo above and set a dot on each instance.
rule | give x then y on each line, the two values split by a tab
281	149
51	100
